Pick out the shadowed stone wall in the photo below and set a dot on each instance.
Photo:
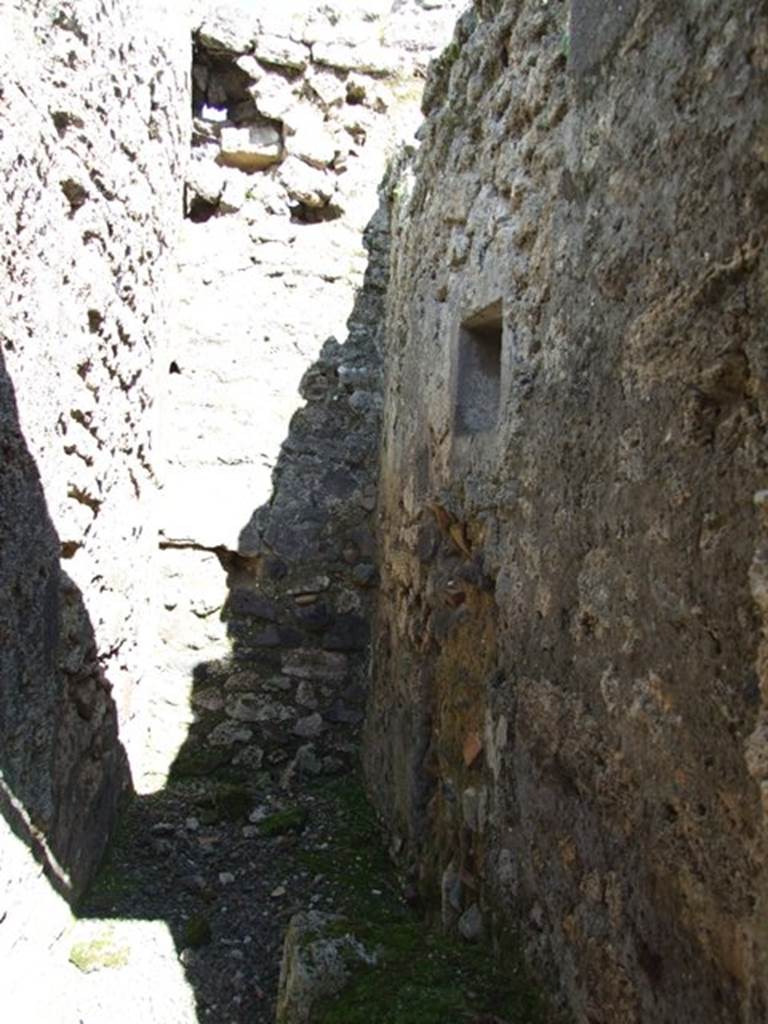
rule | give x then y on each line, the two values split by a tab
92	107
567	729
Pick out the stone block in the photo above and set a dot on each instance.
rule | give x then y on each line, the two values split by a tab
314	664
251	707
274	96
251	148
245	601
228	29
309	727
285	53
317	963
205	179
369	58
309	138
304	184
228	734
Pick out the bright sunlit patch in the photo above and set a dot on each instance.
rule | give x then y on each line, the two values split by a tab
125	971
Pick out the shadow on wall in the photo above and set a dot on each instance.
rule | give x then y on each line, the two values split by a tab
62	768
284	708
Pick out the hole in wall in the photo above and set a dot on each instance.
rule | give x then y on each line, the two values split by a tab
200	210
75	193
478	387
303	214
174	367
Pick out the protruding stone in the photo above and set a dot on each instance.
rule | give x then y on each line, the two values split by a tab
249	757
228	29
309	727
205	179
471	924
250	66
235	194
317	962
227	734
371	58
250	148
209	699
473	805
309	139
328	86
245	680
305	184
274	96
311	585
282	52
472	748
255	708
305	695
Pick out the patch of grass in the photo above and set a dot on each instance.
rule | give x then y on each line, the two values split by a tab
196	931
98	954
109	887
292	819
233	802
355	861
426	978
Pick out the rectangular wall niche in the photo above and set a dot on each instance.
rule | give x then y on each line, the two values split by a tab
478	384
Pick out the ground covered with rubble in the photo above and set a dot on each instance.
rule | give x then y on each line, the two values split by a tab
230	869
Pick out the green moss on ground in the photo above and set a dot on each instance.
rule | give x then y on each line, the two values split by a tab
197	762
292	819
422	976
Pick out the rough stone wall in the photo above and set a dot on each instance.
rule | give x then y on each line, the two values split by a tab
567	727
271	414
94	136
92	102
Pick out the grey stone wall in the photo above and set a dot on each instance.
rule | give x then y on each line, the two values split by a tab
92	109
567	728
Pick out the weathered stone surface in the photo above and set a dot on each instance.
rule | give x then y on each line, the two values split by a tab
226	734
317	963
206	180
255	708
309	139
92	178
471	924
228	28
603	487
314	664
273	96
281	51
373	59
309	727
304	184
